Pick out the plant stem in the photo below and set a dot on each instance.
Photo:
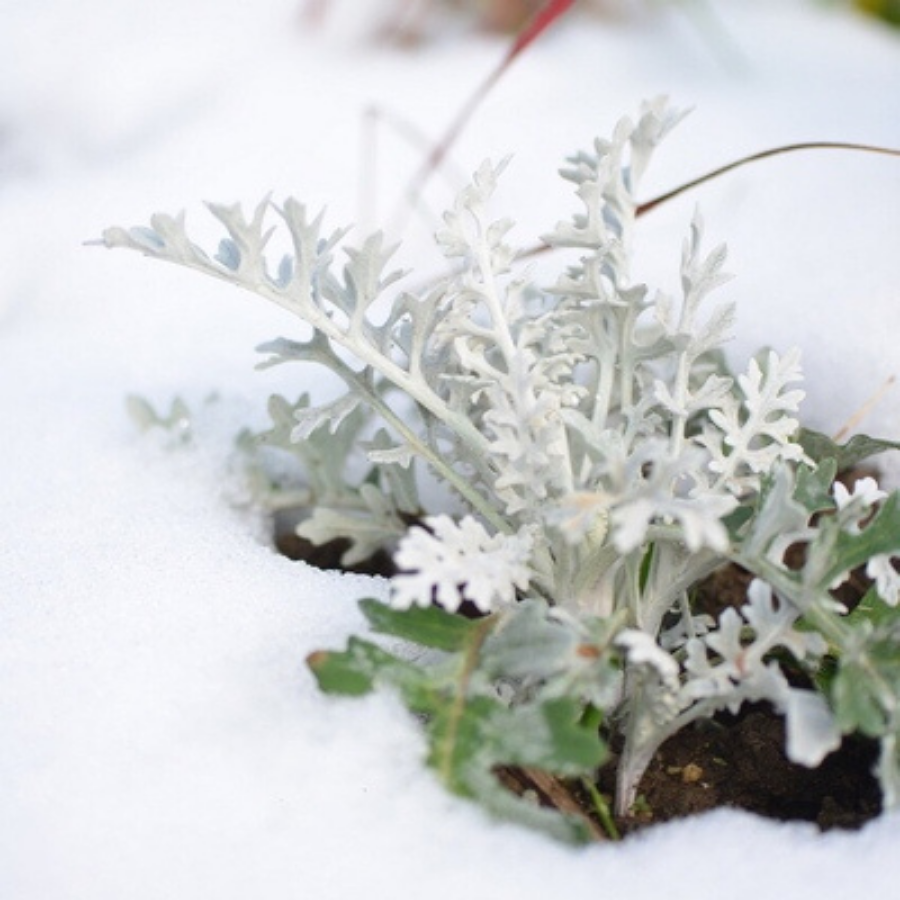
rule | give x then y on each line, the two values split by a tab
601	807
756	157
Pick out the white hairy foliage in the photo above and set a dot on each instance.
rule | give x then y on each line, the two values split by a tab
450	562
604	458
523	398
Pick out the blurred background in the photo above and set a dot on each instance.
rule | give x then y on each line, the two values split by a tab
111	111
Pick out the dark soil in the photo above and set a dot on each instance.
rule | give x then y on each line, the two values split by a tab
735	761
739	762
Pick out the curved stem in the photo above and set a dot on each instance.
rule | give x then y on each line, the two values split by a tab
650	205
756	157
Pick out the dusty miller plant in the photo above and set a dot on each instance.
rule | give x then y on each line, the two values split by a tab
603	462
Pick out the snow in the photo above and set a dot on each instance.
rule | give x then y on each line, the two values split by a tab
160	734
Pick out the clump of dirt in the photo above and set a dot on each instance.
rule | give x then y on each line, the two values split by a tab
740	762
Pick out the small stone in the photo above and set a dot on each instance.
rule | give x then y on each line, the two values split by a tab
691	773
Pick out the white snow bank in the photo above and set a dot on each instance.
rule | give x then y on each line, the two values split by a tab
159	734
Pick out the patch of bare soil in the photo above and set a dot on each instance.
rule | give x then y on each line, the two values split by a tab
740	762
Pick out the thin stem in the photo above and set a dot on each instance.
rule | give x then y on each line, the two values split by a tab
444	751
601	807
650	205
756	157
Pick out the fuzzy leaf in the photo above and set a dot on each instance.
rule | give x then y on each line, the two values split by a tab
355	671
430	627
369	527
449	563
856	703
469	741
392	456
866	689
880	536
812	732
486	733
819	447
536	646
310	419
470	733
177	422
813	488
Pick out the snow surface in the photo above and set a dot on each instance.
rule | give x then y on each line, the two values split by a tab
159	735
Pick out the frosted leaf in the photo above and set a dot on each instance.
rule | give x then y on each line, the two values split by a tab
759	431
700	521
726	642
854	508
372	525
812	732
780	521
392	456
657	119
773	624
642	650
332	414
670	493
448	563
865	492
881	570
466	223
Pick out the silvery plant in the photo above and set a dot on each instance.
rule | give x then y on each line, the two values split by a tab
599	462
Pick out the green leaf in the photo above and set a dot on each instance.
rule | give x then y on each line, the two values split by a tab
357	670
471	733
855	705
819	447
471	739
528	644
881	535
813	487
866	690
564	741
547	735
871	609
735	521
430	627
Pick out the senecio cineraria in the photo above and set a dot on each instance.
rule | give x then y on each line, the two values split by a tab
605	462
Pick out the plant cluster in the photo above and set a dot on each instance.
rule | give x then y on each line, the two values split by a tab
600	461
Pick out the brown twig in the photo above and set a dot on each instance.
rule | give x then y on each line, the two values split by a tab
864	410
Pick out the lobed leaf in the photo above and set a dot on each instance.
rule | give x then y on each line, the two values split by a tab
429	627
355	671
819	447
880	536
